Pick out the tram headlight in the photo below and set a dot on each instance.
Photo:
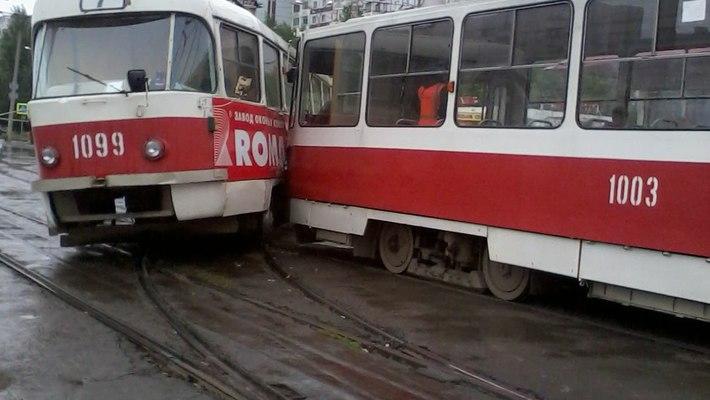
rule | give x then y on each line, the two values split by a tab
153	149
49	157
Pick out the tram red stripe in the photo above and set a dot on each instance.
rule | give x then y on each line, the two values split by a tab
187	141
560	196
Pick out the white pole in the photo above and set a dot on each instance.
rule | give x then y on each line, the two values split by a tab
13	88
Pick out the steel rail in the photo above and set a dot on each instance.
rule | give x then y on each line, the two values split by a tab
428	355
309	322
20	215
253	384
535	308
161	353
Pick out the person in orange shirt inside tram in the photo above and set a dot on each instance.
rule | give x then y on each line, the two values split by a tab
432	104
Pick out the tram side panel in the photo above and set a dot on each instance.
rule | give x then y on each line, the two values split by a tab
250	142
570	197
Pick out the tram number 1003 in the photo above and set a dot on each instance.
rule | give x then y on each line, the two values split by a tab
87	146
633	190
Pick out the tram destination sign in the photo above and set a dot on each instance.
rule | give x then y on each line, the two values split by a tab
96	5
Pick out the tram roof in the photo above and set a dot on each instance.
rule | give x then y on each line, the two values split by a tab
422	13
53	9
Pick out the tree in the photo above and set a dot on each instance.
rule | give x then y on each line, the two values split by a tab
285	31
19	24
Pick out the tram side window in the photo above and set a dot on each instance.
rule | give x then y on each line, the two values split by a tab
240	54
331	81
410	67
272	77
513	70
193	57
646	65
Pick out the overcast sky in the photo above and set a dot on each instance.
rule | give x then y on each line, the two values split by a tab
6	5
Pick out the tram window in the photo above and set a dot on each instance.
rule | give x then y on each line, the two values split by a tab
656	78
624	28
389	51
193	57
272	77
696	77
487	39
102	48
683	25
431	47
240	55
410	74
541	35
651	76
331	82
513	70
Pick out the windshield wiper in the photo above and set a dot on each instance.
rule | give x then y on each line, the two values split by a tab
91	78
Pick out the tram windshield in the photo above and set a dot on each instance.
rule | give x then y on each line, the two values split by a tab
93	55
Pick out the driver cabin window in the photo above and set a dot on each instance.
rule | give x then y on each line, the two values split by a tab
646	66
331	83
240	55
513	71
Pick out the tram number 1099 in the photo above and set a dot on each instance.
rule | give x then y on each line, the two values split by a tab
87	146
633	190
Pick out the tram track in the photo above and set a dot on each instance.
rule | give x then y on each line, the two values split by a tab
609	326
399	343
314	357
26	217
235	387
533	308
256	387
169	358
365	343
227	368
427	356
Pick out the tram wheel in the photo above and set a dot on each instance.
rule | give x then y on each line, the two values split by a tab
505	281
396	247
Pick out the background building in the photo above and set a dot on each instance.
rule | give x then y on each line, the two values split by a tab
251	5
309	14
4	21
281	10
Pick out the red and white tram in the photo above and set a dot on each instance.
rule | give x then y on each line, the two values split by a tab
148	113
480	141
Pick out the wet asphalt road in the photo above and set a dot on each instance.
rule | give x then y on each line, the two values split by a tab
562	347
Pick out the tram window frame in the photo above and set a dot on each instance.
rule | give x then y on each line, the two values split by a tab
224	26
214	70
651	55
279	69
408	74
288	63
304	74
511	66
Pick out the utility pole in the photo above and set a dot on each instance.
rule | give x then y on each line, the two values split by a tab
271	11
14	86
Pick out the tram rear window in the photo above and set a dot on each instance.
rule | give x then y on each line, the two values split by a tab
92	55
331	82
646	65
